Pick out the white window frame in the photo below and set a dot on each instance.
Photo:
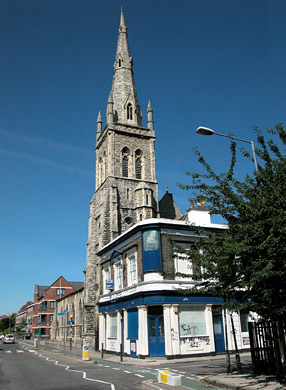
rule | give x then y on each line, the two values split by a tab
192	324
112	322
106	274
118	272
132	277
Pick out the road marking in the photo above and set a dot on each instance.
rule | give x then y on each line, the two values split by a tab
8	351
127	372
140	376
20	351
67	368
117	369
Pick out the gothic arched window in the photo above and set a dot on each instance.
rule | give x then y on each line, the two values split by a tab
100	171
125	155
129	111
138	165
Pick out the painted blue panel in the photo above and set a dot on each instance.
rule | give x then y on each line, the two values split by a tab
156	299
151	250
132	320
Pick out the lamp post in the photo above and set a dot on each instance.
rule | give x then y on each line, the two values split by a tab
206	131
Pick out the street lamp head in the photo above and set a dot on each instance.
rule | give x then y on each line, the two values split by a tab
204	131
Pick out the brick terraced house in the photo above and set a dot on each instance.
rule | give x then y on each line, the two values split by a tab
45	298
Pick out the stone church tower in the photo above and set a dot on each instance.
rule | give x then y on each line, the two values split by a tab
126	189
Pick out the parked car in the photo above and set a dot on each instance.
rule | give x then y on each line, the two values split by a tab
9	338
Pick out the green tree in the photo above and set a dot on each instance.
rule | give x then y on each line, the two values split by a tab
246	263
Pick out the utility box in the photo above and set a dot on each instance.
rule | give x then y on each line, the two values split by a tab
169	378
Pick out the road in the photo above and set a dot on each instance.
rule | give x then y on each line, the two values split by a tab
22	368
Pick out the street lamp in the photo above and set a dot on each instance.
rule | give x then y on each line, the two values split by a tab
206	131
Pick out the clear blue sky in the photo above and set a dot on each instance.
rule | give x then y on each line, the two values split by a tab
218	63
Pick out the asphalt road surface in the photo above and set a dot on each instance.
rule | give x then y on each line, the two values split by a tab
22	368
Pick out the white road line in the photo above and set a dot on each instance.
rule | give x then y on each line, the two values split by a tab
81	372
8	351
140	376
114	368
20	351
127	372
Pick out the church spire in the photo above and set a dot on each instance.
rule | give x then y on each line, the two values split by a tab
122	26
126	108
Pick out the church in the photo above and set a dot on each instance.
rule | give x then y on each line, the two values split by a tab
130	304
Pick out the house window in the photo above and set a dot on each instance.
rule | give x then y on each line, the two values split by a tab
244	319
118	276
183	263
132	275
53	304
113	325
105	276
51	317
60	291
129	111
192	321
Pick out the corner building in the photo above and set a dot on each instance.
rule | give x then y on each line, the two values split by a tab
126	189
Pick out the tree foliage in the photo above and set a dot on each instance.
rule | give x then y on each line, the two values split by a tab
246	263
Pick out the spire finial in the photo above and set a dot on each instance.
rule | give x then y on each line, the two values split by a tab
122	26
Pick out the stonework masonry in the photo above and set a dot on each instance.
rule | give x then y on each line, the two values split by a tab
126	188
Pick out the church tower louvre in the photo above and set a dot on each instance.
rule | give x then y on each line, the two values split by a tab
126	189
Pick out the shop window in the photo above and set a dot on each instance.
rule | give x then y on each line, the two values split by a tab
132	320
192	321
113	325
244	319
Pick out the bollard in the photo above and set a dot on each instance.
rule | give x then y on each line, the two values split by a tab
121	352
169	378
102	351
85	352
